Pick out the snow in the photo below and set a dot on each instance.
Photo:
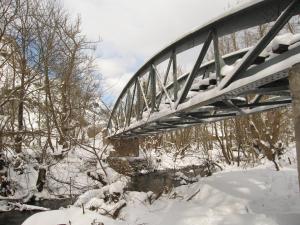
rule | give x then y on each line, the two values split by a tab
255	196
25	207
87	196
284	39
117	187
212	76
4	207
227	69
165	160
74	215
106	200
237	196
8	206
183	178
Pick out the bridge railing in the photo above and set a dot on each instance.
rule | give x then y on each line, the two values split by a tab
157	86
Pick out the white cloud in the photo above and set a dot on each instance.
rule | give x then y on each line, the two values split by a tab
133	30
115	74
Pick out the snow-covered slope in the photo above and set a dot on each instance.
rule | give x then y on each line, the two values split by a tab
254	196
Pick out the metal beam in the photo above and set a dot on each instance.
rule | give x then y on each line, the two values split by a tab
139	109
192	75
254	13
230	104
144	97
199	116
283	90
262	44
257	104
131	106
165	79
152	79
175	81
162	86
217	55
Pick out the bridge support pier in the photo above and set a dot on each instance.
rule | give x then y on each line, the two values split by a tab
125	147
294	80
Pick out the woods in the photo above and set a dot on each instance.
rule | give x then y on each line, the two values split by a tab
50	98
202	132
242	141
48	85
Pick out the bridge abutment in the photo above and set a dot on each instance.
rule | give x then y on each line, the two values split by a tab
294	80
125	159
125	147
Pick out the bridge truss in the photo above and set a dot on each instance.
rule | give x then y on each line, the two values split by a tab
251	80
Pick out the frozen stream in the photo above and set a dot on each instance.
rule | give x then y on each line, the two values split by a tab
18	217
155	181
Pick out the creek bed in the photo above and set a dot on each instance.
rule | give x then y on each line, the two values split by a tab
153	181
157	181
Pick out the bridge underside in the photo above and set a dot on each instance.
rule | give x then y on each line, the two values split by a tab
249	99
241	83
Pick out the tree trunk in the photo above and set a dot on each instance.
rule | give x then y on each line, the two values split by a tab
18	139
41	179
224	152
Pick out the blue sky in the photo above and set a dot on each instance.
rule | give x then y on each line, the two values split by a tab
131	31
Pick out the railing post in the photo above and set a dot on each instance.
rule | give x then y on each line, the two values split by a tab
294	80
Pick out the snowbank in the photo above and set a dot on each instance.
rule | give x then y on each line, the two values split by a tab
255	196
73	215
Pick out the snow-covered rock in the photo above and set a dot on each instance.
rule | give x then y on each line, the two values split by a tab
88	196
117	187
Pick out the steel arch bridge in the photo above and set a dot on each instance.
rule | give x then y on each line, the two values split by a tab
154	101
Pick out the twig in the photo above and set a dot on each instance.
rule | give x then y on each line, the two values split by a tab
193	195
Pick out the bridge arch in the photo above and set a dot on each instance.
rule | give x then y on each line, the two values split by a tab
152	102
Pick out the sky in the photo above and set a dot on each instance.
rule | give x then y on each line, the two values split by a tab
131	31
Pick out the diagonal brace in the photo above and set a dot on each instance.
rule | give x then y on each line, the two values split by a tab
192	75
262	44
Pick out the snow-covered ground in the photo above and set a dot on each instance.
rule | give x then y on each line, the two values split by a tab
72	168
258	195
